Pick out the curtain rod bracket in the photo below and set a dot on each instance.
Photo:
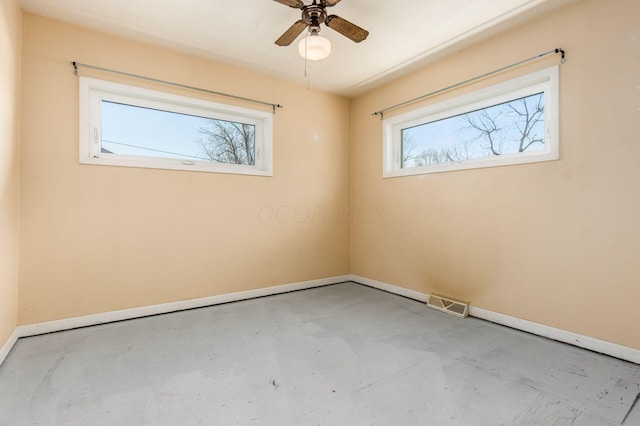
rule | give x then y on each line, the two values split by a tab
75	67
563	58
380	113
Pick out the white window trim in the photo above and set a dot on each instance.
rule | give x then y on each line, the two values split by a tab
545	81
93	91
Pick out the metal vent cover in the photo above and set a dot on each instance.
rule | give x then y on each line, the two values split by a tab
450	306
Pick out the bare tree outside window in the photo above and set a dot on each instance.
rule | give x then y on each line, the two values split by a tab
228	142
509	128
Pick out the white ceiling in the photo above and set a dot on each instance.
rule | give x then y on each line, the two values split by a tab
403	33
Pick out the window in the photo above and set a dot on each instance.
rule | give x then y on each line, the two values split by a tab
123	125
510	123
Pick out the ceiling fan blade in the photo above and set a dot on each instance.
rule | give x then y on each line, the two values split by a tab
329	3
298	4
291	34
346	28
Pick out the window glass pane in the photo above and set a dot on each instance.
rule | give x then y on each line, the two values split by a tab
147	132
512	127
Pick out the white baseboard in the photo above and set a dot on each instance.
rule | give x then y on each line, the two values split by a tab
125	314
586	342
575	339
6	348
618	351
411	294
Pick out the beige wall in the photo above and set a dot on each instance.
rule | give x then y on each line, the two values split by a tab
10	35
556	243
98	238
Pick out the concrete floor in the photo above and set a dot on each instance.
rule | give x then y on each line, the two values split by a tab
338	355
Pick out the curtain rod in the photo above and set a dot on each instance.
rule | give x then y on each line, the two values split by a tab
462	83
76	65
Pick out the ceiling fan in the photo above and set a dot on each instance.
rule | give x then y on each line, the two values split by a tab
313	15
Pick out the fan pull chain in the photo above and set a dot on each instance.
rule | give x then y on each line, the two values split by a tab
306	75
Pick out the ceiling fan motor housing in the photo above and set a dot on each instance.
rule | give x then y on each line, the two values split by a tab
313	15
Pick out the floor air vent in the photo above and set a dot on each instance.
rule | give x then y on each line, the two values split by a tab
450	306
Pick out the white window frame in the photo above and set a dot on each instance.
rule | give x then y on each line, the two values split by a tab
544	81
94	91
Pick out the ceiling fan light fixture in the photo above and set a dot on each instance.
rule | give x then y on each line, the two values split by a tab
314	47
